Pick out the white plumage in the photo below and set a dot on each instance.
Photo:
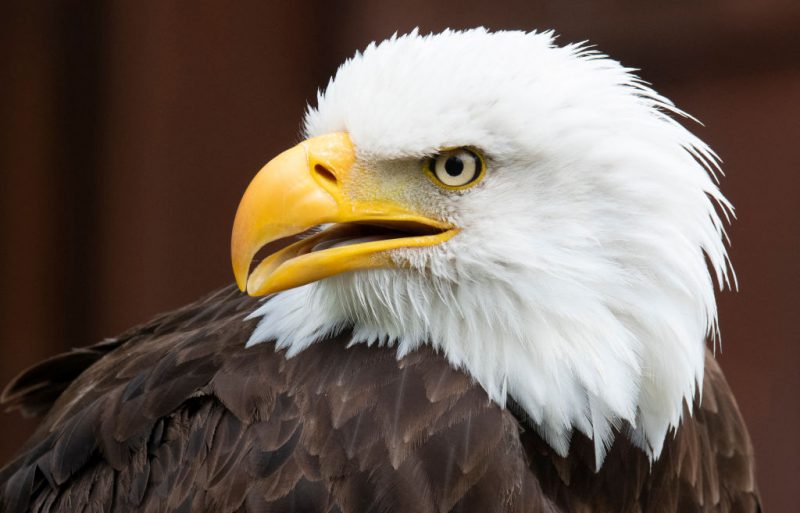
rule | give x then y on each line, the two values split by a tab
578	284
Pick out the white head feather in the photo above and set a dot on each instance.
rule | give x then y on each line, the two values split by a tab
578	284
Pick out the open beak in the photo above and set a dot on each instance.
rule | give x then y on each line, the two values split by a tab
303	188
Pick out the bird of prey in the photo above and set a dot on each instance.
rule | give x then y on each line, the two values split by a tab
484	282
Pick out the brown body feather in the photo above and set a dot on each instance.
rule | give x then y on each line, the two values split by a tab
178	416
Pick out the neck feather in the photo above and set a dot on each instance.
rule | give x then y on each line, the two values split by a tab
600	368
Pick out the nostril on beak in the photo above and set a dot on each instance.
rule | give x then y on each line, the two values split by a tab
326	174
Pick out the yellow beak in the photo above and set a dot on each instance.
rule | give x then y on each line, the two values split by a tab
303	188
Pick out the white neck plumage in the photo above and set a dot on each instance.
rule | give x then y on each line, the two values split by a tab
586	365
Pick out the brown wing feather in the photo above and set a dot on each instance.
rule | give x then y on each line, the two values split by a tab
35	389
177	416
707	465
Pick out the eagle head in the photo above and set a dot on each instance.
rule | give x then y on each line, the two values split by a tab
533	212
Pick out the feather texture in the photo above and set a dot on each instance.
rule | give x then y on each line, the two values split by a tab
178	416
578	283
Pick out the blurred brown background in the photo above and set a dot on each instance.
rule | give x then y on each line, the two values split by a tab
130	130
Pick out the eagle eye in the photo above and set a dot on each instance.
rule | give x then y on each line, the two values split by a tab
457	168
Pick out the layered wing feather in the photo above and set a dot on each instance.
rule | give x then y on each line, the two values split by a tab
178	416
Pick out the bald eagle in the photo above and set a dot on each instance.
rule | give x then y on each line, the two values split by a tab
484	282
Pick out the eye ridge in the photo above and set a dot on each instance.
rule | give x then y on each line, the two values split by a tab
455	168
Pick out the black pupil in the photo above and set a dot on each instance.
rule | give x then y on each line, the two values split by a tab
454	166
